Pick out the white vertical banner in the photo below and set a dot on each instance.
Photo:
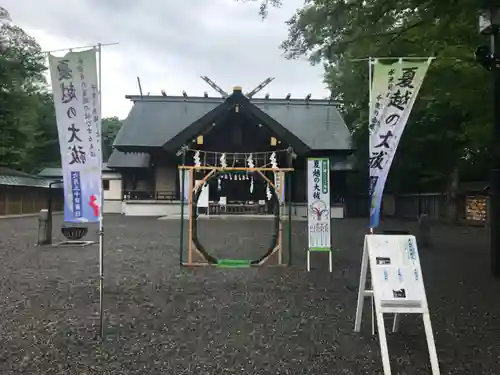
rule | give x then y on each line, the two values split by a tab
280	186
203	198
394	89
318	203
186	183
74	81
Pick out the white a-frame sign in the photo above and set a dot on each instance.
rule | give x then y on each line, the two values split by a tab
397	288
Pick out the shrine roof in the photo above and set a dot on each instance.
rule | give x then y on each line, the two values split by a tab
154	120
119	159
11	177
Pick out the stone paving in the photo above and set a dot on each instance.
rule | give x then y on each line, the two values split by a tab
161	319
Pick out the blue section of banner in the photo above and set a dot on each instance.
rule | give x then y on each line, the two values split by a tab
377	183
81	195
374	211
76	192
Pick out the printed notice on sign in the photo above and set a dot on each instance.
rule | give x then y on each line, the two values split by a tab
396	272
318	202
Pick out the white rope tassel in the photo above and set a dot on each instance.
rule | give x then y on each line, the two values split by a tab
274	162
251	185
250	161
223	162
197	161
268	192
219	184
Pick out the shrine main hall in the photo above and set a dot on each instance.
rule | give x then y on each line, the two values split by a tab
146	149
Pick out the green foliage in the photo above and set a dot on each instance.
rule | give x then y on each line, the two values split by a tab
27	120
449	126
265	5
110	128
28	127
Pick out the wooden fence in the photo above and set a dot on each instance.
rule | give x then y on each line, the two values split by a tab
469	209
18	200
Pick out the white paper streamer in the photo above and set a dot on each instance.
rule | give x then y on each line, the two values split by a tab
250	161
197	161
223	162
274	162
268	192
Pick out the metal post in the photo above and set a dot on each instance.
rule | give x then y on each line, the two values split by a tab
288	187
81	47
495	172
50	211
183	178
101	224
370	108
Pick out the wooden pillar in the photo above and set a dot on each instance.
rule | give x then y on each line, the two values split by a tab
282	207
34	200
190	221
7	201
23	192
3	197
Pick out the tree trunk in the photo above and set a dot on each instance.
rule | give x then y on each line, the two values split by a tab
451	196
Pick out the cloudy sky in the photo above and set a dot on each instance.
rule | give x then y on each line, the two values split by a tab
170	43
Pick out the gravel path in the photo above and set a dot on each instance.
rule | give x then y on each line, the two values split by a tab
164	320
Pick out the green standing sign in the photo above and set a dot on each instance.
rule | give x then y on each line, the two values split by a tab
318	207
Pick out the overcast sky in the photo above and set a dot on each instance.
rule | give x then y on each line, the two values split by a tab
170	43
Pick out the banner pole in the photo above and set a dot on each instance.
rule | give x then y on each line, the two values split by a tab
370	111
183	189
81	47
64	73
288	186
370	107
101	224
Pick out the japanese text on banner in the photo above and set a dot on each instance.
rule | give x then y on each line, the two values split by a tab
318	171
71	76
403	80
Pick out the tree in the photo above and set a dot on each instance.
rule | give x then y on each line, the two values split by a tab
110	128
27	119
265	5
451	115
47	151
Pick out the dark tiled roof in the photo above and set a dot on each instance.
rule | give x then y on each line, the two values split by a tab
4	171
57	172
154	120
151	123
342	163
10	177
120	159
319	126
51	172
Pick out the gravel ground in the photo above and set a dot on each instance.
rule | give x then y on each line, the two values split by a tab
161	319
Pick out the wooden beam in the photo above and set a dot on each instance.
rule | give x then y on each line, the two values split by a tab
242	169
202	182
263	261
271	183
